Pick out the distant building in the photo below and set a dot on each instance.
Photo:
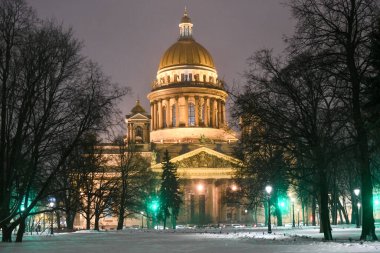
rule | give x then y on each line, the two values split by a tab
188	118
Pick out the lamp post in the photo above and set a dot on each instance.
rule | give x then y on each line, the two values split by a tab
359	214
142	219
298	217
51	205
294	222
268	189
357	192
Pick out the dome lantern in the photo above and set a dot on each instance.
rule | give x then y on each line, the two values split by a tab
185	27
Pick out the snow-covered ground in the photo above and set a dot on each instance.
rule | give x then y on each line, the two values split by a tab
190	240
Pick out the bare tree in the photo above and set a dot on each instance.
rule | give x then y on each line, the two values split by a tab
300	106
340	31
50	96
264	163
134	180
96	182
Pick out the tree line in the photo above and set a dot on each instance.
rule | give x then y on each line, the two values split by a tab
310	117
51	96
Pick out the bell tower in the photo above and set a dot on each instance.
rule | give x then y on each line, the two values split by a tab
138	125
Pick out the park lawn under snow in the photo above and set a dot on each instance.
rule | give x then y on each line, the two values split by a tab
209	241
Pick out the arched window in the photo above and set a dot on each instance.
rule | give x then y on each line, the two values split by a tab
164	123
174	115
191	114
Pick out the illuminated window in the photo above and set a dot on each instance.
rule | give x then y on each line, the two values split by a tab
191	114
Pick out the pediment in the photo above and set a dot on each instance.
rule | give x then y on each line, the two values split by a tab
204	158
138	116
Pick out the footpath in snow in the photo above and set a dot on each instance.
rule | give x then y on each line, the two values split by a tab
298	240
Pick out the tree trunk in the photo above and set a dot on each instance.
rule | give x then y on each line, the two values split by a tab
58	220
96	223
70	217
340	215
313	210
88	222
323	207
120	220
303	212
7	234
334	209
368	222
20	231
278	215
306	219
344	211
164	221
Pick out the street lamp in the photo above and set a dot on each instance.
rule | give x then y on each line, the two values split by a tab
51	205
268	189
142	219
359	213
357	192
200	187
294	222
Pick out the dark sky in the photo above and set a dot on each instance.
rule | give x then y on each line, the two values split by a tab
128	37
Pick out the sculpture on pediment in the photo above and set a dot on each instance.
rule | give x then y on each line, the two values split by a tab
204	160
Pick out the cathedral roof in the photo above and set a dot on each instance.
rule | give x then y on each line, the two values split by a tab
186	51
138	109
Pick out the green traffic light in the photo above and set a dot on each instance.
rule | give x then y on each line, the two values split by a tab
283	204
154	205
376	200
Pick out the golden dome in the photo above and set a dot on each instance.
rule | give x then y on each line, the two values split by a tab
186	52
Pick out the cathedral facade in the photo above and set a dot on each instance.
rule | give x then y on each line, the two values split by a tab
188	118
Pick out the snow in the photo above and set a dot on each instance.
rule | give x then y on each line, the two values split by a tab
191	240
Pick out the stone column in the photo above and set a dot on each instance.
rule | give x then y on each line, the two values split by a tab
207	111
168	112
176	112
159	113
152	117
201	110
129	132
212	112
196	98
219	113
224	113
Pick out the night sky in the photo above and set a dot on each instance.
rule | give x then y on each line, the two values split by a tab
128	37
